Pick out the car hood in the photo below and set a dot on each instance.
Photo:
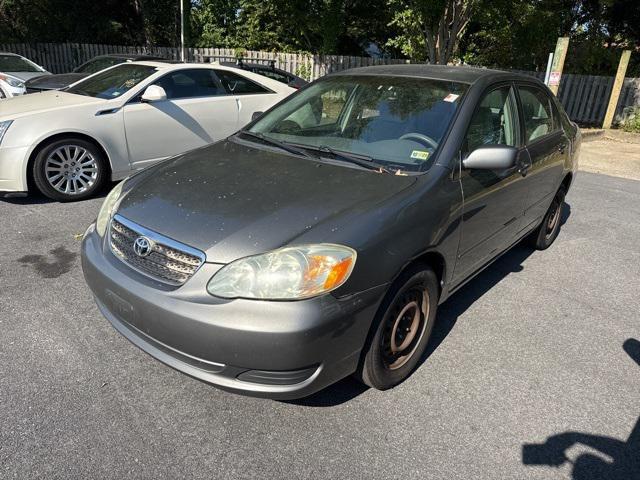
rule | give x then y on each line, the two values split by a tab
232	199
24	76
23	105
54	82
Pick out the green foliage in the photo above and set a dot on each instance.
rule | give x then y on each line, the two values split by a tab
632	120
410	17
305	70
500	33
213	22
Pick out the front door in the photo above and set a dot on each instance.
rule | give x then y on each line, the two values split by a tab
548	147
197	111
493	199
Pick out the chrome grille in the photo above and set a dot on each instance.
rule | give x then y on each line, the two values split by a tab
168	261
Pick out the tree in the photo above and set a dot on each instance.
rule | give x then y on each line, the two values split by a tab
213	22
430	29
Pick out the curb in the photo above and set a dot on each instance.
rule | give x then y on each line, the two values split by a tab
591	133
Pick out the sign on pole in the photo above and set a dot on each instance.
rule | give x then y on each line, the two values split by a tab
558	64
617	87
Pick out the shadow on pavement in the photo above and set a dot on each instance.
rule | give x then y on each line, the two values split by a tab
36	198
613	459
448	314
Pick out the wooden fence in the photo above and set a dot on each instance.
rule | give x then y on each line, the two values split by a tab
585	97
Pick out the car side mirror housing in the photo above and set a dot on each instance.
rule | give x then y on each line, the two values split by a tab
256	115
491	157
154	93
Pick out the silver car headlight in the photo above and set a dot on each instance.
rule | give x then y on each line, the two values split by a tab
4	126
290	273
108	208
14	83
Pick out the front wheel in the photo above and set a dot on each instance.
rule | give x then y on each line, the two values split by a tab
401	330
69	169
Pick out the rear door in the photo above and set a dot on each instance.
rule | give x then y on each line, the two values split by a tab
250	96
548	147
494	200
198	111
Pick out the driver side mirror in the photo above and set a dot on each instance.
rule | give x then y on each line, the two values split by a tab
256	115
491	157
154	93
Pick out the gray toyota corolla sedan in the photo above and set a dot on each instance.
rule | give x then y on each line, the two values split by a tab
319	241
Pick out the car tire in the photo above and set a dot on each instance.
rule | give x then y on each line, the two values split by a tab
401	330
543	236
70	169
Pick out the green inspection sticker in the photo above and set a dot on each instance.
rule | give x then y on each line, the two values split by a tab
420	154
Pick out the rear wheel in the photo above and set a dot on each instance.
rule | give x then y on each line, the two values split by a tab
401	330
546	233
69	169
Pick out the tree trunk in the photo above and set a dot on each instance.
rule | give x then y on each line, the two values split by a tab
451	26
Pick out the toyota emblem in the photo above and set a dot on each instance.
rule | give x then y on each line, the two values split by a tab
142	246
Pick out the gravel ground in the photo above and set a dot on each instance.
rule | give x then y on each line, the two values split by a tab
534	363
614	152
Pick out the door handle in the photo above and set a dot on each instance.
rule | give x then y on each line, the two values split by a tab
562	147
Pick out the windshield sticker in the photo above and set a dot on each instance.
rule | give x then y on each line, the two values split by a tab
420	154
452	97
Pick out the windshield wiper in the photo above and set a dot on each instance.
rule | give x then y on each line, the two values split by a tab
277	143
360	160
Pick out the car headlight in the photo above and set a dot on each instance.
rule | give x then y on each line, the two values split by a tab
14	82
290	273
4	126
108	208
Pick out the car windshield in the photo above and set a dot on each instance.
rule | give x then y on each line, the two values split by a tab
97	64
113	82
398	122
11	63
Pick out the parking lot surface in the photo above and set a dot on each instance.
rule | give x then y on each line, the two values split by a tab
540	345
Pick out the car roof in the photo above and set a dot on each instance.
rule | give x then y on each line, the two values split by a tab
129	56
465	74
180	65
10	54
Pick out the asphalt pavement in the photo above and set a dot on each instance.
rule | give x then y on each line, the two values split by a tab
533	372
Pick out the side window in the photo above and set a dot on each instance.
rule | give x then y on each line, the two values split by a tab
236	84
198	82
494	121
537	113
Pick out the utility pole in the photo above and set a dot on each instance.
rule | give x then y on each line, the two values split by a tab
558	64
617	88
182	50
548	70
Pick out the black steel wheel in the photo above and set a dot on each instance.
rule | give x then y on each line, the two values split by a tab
401	330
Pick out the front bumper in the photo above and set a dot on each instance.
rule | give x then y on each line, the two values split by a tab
280	350
13	169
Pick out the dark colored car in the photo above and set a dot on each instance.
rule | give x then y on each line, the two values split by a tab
62	80
269	71
319	241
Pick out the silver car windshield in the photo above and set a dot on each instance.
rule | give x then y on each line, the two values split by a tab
397	121
113	82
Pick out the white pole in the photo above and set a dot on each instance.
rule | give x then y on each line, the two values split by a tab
549	63
182	51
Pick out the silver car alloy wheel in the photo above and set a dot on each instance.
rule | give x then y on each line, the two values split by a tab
71	169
